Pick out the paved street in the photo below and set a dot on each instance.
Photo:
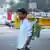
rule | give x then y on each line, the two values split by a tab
43	43
8	39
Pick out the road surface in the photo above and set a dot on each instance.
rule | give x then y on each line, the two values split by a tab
8	39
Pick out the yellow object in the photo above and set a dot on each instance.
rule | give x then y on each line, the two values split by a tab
31	17
44	21
17	22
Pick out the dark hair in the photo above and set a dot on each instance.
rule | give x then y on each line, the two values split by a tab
22	10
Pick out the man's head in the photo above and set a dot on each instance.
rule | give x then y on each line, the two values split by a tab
22	13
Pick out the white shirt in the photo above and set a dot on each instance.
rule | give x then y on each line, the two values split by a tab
25	32
12	17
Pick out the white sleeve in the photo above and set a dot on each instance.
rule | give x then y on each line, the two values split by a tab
26	29
29	30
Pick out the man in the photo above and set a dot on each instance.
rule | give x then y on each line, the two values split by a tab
25	30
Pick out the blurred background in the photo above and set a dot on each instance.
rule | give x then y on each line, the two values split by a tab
38	8
42	5
38	12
